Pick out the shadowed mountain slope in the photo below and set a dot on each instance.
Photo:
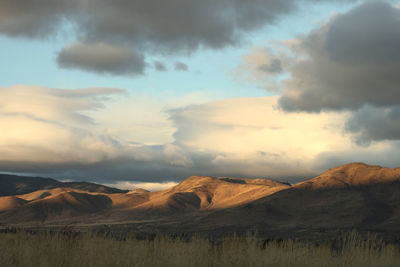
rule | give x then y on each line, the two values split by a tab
61	205
16	185
351	196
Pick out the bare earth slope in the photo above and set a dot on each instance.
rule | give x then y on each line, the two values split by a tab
51	204
205	193
11	203
350	196
194	194
352	175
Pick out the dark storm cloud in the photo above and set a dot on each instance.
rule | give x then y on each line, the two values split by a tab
158	65
101	58
375	124
170	25
180	66
177	25
34	18
106	171
149	26
351	61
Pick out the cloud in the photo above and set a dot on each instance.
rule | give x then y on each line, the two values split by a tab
151	27
375	124
101	58
158	65
384	153
36	18
273	67
147	186
263	66
179	25
180	66
63	134
252	136
56	132
349	62
49	125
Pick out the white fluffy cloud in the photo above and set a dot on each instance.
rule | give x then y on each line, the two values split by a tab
253	136
147	186
48	125
66	134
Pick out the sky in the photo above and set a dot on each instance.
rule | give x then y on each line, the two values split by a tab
144	93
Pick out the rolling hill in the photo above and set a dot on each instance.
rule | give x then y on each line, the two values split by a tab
351	196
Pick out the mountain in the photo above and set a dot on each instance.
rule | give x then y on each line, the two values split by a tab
194	194
352	175
16	185
208	193
203	192
11	203
351	196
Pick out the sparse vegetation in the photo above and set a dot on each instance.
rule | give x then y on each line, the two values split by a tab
45	249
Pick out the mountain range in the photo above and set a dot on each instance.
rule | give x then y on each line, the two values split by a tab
352	196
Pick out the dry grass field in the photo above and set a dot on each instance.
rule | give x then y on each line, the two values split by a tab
24	249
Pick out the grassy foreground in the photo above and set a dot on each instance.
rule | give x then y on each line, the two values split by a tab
24	249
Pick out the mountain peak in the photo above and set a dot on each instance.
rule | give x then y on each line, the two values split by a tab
352	174
207	181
